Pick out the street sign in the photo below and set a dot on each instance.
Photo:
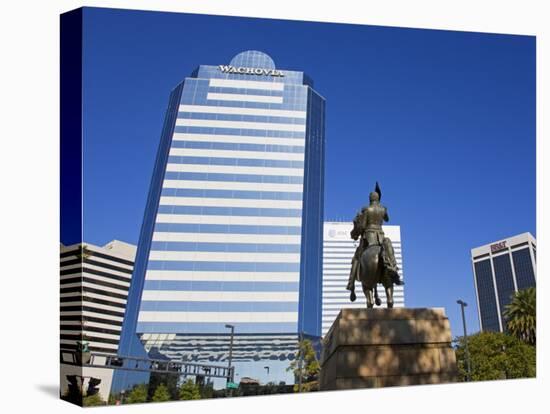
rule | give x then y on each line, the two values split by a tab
232	385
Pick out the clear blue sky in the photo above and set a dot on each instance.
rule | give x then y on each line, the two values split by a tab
445	121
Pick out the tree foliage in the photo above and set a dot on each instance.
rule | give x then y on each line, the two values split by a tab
207	391
521	316
310	367
189	391
93	401
496	355
161	394
137	395
170	381
113	398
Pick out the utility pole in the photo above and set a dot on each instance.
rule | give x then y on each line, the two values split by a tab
466	351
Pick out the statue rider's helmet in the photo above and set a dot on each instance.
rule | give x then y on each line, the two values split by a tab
376	195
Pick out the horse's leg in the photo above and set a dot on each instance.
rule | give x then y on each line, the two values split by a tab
389	295
368	295
355	269
376	298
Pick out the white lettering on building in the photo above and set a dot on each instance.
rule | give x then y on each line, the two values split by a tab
251	71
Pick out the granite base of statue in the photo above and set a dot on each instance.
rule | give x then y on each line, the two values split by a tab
381	347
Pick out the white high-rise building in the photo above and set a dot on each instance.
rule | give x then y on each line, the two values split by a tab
338	250
94	283
94	289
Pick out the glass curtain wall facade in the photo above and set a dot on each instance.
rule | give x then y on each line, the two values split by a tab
501	269
233	224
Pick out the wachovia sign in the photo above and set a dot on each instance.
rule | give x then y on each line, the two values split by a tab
250	71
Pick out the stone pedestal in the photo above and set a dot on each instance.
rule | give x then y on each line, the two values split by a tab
368	348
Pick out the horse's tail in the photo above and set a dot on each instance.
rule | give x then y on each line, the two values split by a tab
370	266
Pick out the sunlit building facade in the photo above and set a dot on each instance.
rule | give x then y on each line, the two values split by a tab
500	269
233	224
94	283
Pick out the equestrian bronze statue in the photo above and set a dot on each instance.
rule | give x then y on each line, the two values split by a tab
374	260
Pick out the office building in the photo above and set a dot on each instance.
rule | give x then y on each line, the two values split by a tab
338	250
233	224
94	283
500	269
94	288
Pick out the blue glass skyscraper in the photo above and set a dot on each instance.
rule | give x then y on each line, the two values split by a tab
233	225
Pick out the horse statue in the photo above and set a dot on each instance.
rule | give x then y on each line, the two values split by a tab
374	261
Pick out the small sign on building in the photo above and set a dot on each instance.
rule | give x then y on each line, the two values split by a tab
497	247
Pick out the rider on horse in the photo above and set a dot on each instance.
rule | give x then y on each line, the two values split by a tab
367	225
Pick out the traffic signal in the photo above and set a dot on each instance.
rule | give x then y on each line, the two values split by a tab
92	386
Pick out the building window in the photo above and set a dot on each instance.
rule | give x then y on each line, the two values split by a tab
505	281
486	295
525	275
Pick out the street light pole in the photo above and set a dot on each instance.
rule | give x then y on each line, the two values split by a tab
230	376
466	351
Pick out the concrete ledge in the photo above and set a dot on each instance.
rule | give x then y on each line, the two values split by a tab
392	314
392	381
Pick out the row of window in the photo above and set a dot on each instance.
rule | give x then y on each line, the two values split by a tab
504	277
231	211
229	146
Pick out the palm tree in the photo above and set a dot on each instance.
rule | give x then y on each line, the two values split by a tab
521	315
